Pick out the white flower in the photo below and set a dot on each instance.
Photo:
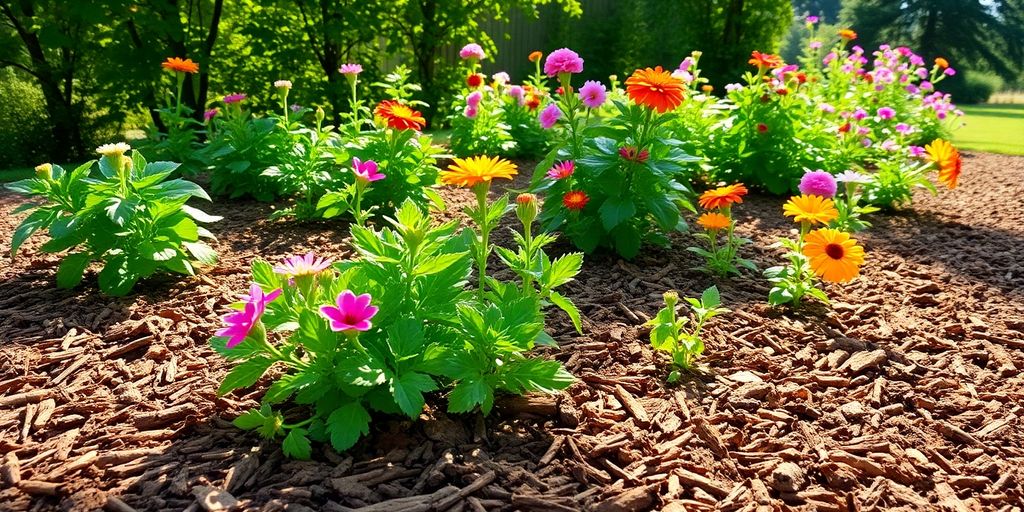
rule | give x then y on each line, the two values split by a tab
849	176
111	150
283	84
501	77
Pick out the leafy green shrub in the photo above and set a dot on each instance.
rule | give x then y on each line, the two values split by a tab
128	218
974	87
24	128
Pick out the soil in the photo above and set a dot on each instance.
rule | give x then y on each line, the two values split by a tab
906	394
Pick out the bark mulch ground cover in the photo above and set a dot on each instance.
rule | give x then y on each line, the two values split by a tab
907	394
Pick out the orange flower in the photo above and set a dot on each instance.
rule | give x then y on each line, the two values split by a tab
575	199
833	255
707	88
536	56
847	34
765	60
942	63
400	116
180	65
655	88
948	159
812	209
472	171
722	196
713	221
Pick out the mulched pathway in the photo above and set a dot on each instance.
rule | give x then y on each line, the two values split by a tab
908	394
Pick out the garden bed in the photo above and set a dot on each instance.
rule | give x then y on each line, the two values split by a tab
907	393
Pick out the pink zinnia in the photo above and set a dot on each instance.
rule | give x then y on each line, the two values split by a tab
472	51
562	170
470	112
550	115
240	323
818	183
234	98
473	100
366	171
561	61
302	265
210	114
350	69
593	94
886	113
353	313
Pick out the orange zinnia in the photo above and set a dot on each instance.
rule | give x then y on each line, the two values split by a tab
400	116
655	88
942	63
765	60
847	34
833	255
535	56
722	196
713	221
180	65
948	159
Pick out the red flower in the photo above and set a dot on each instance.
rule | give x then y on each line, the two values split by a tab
844	128
762	128
474	80
575	200
782	91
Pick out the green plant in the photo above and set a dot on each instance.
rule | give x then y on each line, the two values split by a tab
669	332
129	218
241	148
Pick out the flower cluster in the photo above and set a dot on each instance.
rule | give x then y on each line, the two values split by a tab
722	258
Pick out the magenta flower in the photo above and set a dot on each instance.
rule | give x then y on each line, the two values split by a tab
859	114
686	64
210	114
302	265
473	100
815	45
886	113
812	19
350	69
561	61
472	51
240	323
904	128
949	72
916	151
470	112
351	314
818	183
593	94
234	98
366	171
562	170
550	115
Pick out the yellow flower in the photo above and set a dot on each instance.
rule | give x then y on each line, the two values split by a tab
472	171
813	209
113	150
833	255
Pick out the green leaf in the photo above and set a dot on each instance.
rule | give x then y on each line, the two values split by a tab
120	210
201	252
347	424
664	211
408	392
263	274
710	298
566	305
69	274
296	444
537	375
314	333
117	278
38	219
436	264
616	210
200	215
178	188
468	394
245	374
249	420
627	241
563	270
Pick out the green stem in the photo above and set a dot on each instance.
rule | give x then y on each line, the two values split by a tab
181	84
528	278
357	210
485	231
355	108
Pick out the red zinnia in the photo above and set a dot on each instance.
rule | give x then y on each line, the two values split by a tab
400	116
765	60
474	80
762	128
575	200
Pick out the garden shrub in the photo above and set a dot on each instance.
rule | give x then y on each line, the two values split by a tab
24	128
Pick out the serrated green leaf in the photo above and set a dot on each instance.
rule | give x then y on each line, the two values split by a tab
296	444
71	269
408	391
470	393
245	374
347	424
249	420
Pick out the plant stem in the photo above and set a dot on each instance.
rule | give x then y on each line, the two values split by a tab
485	231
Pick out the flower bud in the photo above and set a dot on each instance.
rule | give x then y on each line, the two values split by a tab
44	172
320	115
671	299
696	54
526	208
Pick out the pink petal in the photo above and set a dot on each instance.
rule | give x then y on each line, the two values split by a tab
332	313
370	311
362	325
362	301
346	301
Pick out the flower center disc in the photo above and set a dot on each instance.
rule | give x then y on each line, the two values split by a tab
835	251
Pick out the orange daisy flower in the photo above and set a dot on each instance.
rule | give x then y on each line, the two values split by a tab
722	196
948	159
847	34
575	199
765	60
655	88
472	171
400	116
713	221
180	65
535	56
833	255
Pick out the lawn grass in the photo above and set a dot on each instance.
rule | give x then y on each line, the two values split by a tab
15	174
992	128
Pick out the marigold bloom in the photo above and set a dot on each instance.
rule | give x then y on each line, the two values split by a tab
764	60
655	88
941	62
366	171
241	323
713	221
722	197
948	159
400	116
818	183
309	264
563	61
707	89
351	313
472	171
575	200
550	115
536	56
562	170
834	256
179	65
593	94
847	34
812	209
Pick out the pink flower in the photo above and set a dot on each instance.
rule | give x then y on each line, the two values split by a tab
561	61
686	64
517	92
234	98
886	113
903	128
949	72
916	151
472	51
470	112
812	19
818	183
859	114
562	170
501	77
240	323
366	171
550	115
593	94
351	314
302	265
210	114
350	69
815	45
473	100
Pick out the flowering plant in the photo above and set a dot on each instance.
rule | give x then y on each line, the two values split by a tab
129	217
669	333
721	259
175	136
